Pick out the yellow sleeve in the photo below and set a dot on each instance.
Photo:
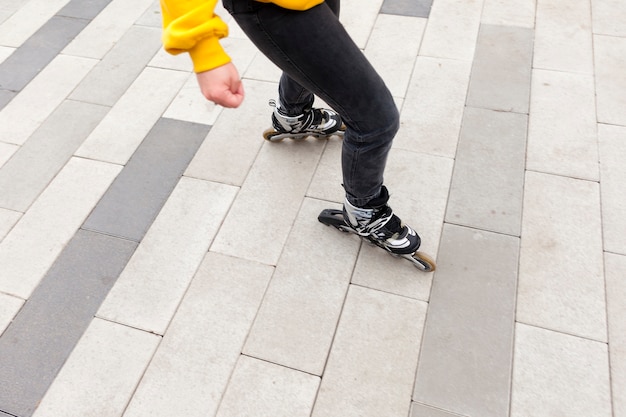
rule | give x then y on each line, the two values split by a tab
192	26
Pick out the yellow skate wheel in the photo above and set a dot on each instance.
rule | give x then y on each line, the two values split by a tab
269	135
424	262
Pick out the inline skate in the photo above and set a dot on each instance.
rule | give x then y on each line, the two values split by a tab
377	224
319	123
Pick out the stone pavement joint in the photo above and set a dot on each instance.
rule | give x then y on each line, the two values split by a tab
157	257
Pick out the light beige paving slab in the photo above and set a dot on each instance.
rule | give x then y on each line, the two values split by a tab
264	389
8	219
9	307
119	134
561	284
165	60
27	19
259	221
616	309
6	151
5	52
466	358
452	29
107	28
236	137
488	183
392	49
201	347
557	374
151	286
45	153
41	96
419	185
563	39
108	81
297	320
372	363
612	141
359	17
610	59
326	184
608	17
31	247
562	132
433	109
519	13
101	374
262	69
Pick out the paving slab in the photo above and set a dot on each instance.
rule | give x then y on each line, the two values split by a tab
373	358
168	256
35	346
467	350
135	198
200	350
556	373
420	8
38	51
45	153
488	182
501	70
41	234
109	360
26	19
610	56
266	390
561	285
297	319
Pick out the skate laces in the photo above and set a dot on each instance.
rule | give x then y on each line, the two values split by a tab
313	120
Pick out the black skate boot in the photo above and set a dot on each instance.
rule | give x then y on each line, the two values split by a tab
320	123
377	224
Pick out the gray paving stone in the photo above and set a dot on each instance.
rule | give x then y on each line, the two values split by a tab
43	334
417	8
488	180
134	199
502	67
110	79
467	349
152	17
33	166
83	9
30	58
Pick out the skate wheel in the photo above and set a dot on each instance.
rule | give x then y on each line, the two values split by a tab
270	135
424	262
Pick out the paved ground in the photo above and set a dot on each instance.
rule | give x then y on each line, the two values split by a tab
158	258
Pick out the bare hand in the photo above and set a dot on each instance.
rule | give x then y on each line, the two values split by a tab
222	85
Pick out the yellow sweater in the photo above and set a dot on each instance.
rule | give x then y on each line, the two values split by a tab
192	26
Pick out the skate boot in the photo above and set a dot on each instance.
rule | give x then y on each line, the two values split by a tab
319	123
377	224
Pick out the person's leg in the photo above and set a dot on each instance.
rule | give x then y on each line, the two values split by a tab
314	49
295	99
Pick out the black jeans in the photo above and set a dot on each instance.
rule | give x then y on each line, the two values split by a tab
318	57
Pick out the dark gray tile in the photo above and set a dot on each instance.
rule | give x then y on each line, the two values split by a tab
488	181
416	8
135	198
37	162
84	9
43	334
501	69
30	58
467	350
